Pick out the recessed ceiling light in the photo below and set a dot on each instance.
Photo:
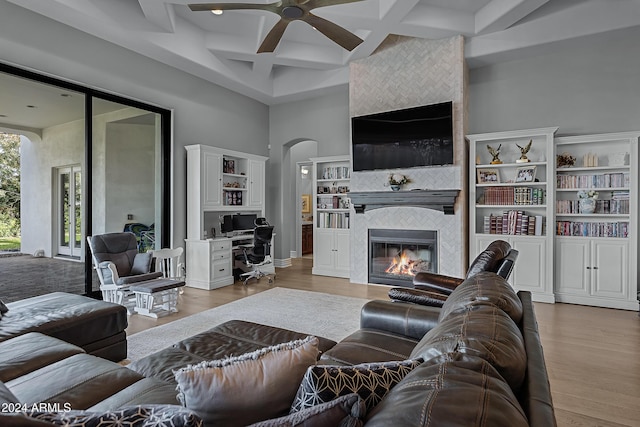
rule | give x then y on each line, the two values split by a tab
3	115
65	95
216	12
31	106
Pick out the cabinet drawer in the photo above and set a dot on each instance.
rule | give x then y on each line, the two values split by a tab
221	269
224	245
219	255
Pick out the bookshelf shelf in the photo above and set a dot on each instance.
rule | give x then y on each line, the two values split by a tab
332	212
596	253
517	212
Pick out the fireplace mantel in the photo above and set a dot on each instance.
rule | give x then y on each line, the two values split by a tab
439	200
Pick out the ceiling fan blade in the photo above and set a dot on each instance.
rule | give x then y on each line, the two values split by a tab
197	7
272	39
312	4
335	32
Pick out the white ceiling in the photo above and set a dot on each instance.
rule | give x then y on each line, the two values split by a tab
222	49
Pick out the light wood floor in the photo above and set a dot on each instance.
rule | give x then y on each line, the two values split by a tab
592	354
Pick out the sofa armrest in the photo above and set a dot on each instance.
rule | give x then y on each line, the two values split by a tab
536	392
417	296
436	282
400	318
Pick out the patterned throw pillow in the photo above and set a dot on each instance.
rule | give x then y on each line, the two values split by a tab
139	416
345	411
371	381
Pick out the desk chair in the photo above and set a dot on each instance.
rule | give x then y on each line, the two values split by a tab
260	253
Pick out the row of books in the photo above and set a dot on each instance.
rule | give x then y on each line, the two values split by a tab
333	202
333	220
592	229
607	180
612	206
514	222
513	196
335	172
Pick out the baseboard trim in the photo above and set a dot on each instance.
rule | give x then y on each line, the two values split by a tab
282	263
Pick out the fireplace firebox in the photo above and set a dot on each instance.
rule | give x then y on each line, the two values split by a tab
396	256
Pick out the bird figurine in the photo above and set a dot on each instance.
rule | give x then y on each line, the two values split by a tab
523	151
495	154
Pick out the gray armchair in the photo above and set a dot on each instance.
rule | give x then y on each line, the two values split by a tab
119	265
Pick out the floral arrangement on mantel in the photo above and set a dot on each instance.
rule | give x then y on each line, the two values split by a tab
587	194
398	179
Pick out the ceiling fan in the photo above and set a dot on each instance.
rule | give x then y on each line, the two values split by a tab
292	10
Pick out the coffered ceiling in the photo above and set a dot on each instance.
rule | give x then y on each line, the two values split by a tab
222	48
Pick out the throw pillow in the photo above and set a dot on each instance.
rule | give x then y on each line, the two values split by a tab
141	263
348	410
371	381
142	416
249	388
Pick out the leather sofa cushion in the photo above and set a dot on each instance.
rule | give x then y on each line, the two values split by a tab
453	389
369	346
482	331
26	353
228	339
490	258
484	288
248	388
76	319
147	391
81	380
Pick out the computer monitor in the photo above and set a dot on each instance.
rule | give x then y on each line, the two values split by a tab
244	222
226	225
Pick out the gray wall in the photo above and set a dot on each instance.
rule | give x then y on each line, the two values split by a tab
203	113
582	90
324	119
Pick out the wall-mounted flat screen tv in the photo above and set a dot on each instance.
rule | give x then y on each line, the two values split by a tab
413	137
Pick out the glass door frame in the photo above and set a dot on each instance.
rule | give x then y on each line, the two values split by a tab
67	229
165	156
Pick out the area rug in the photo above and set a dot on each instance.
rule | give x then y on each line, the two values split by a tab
314	313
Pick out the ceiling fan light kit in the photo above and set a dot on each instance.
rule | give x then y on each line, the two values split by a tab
291	10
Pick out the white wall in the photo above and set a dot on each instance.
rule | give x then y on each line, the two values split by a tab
61	145
204	113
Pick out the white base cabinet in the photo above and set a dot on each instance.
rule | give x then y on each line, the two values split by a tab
209	263
331	252
594	272
532	269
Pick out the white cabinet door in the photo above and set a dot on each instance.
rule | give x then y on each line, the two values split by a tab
256	183
572	273
212	180
609	269
342	252
323	250
530	270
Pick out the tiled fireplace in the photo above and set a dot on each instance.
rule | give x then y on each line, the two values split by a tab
406	73
396	256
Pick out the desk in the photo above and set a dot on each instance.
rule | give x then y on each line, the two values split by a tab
210	262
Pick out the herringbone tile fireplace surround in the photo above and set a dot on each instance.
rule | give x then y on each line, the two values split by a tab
404	73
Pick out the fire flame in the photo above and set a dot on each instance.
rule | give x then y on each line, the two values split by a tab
402	264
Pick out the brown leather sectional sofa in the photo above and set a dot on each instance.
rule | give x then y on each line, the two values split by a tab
483	362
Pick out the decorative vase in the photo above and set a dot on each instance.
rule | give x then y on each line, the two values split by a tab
395	187
587	206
